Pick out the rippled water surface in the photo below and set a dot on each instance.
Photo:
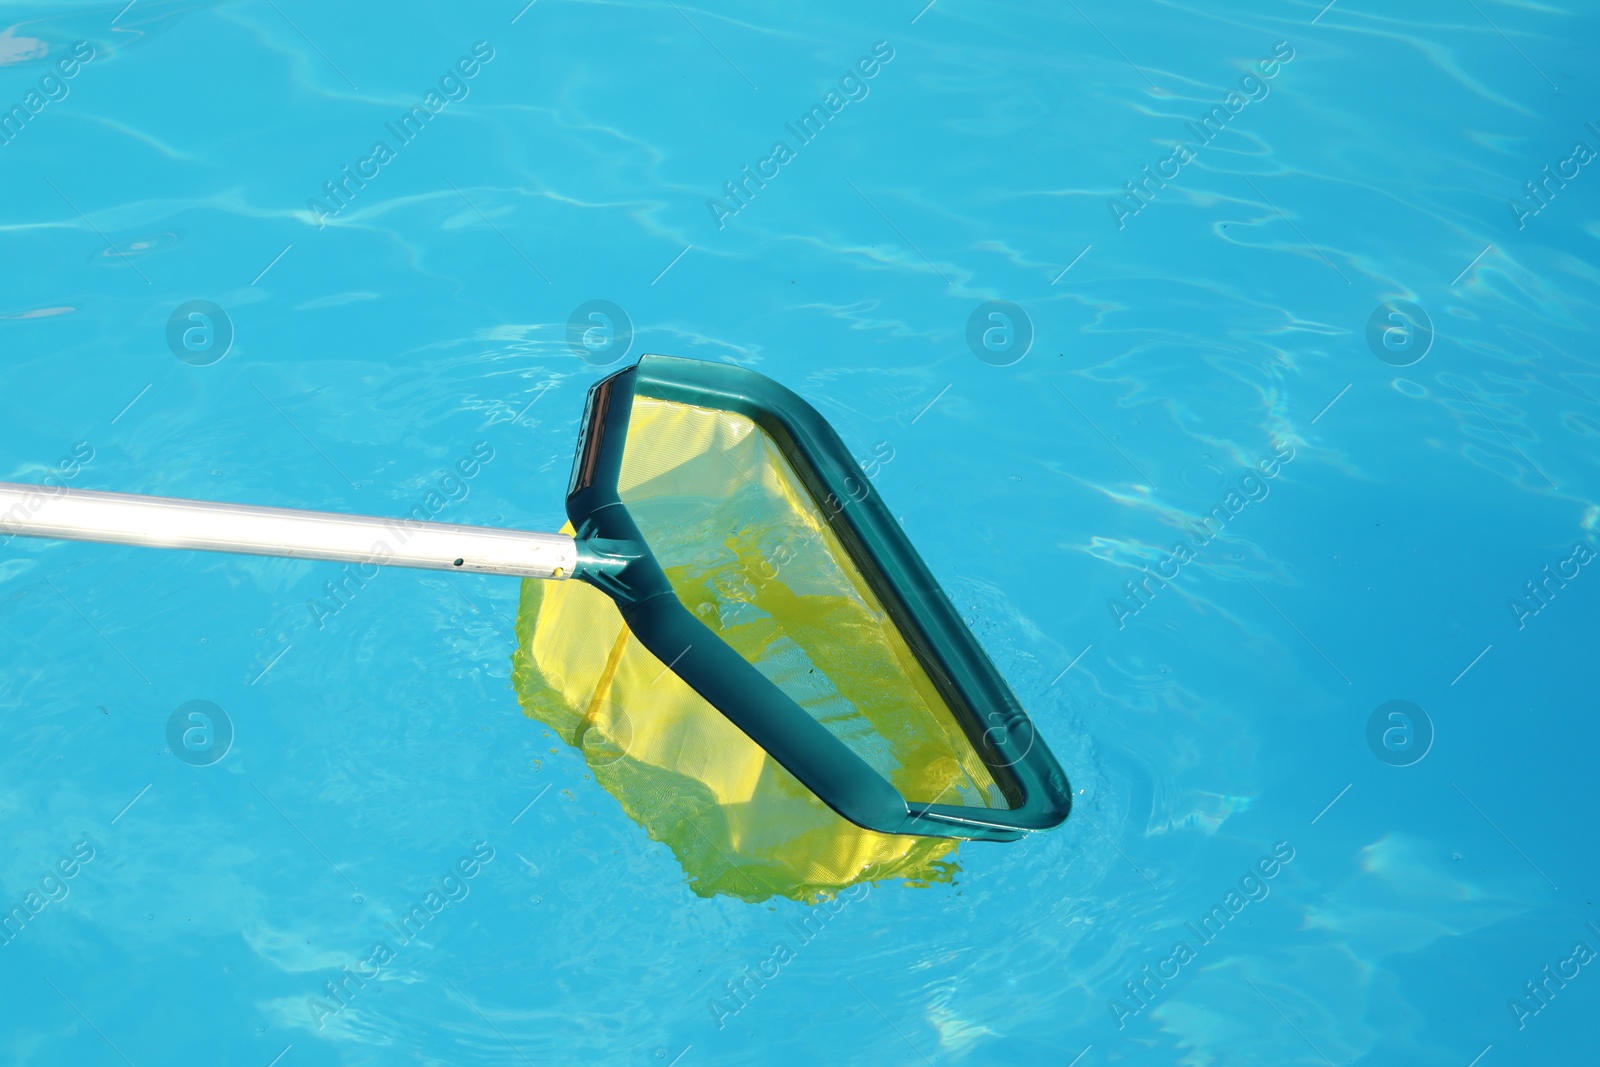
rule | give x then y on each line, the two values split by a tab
1262	867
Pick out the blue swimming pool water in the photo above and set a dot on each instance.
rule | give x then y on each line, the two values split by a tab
1219	727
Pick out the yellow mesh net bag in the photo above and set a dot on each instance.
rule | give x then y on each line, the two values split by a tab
752	555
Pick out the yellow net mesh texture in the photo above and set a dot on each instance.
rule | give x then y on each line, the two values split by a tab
739	824
750	552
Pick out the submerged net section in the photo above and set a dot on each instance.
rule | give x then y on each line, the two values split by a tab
751	553
738	823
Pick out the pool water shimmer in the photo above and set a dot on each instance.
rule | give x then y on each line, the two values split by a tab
1269	483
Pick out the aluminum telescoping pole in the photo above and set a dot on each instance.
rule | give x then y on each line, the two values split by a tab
163	522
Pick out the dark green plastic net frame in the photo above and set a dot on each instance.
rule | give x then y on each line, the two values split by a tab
825	751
